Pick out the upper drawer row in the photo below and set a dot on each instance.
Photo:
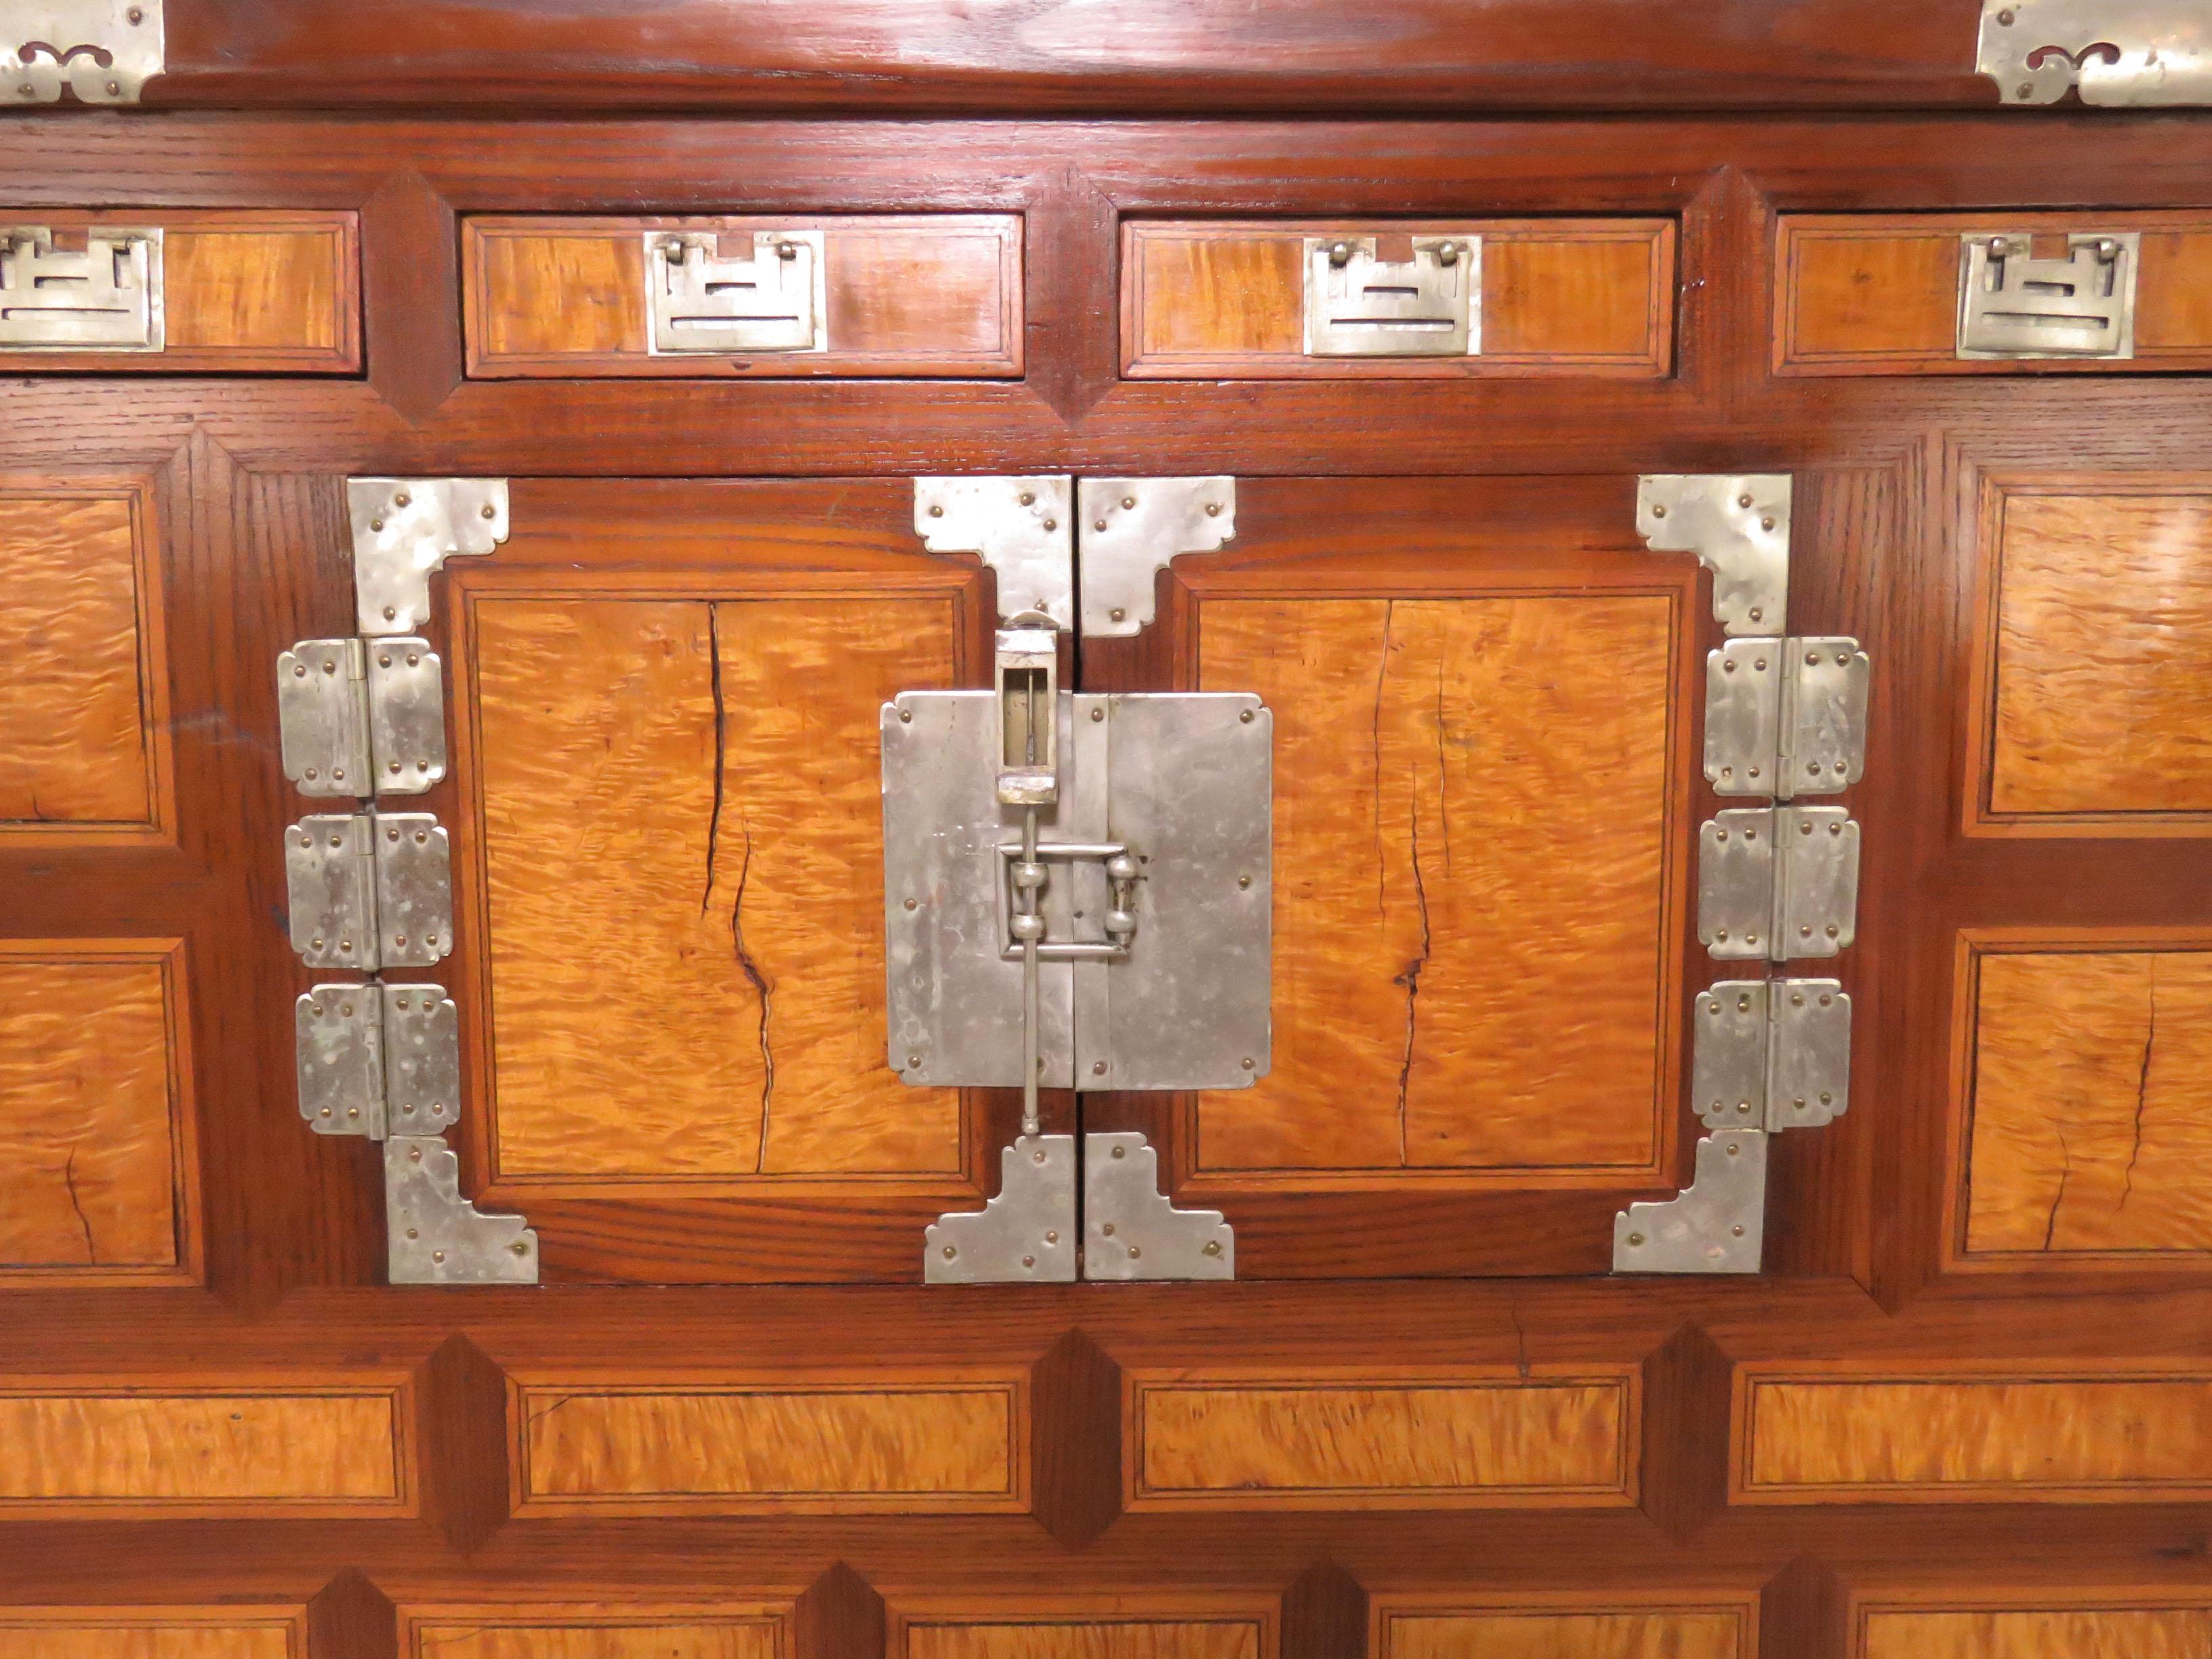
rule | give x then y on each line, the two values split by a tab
941	295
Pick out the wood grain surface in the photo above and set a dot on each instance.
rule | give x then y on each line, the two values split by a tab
2102	632
1433	760
555	1631
2047	1439
96	1114
934	295
1558	1440
81	705
1589	297
1134	1636
2090	1119
291	1452
1566	1634
116	1633
2034	1633
639	1450
687	951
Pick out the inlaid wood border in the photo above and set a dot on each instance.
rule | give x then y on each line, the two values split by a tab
1127	1607
417	1619
1866	1601
290	1618
1385	1609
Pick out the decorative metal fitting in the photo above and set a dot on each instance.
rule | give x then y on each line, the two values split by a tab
104	50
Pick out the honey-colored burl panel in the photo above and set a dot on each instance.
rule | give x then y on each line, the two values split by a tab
2102	680
79	703
150	1633
1254	1444
2036	1633
563	1632
1533	1633
235	1453
1085	1638
93	1176
731	1450
1433	760
682	818
1589	297
1945	1440
2090	1120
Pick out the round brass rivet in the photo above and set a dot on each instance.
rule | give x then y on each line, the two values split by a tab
1756	613
1098	1068
1737	1230
1761	664
1051	1237
414	1154
1213	509
310	772
1135	1252
1832	932
1244	718
114	90
1720	935
2004	20
1732	1149
1250	1063
1029	1261
1825	1098
1052	524
1029	499
1743	500
490	512
1658	512
1097	714
1098	524
1038	1157
338	774
906	717
936	511
1129	501
403	499
1754	771
1805	829
412	1233
1243	881
1805	932
1117	613
395	766
912	1061
1798	1000
1825	1001
326	1111
353	1111
521	1247
1107	1230
1636	1239
1811	659
2027	88
1766	523
137	15
1835	828
1120	1151
1720	835
1212	1247
950	1253
911	904
1712	1007
376	524
390	614
299	672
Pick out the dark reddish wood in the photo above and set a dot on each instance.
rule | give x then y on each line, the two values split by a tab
1324	1612
461	1404
1076	1448
351	1618
839	1617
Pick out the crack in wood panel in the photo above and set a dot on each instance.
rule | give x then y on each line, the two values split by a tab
2035	1633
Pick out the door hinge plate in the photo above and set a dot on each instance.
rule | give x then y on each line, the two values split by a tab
1785	717
357	719
702	302
1717	1225
107	296
375	1057
1776	883
1131	1230
1428	304
104	50
1771	1055
2122	53
369	890
2013	306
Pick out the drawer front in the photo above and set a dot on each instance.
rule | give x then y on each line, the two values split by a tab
936	295
1592	297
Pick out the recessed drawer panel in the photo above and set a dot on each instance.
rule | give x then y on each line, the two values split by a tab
1452	299
1993	293
930	295
174	291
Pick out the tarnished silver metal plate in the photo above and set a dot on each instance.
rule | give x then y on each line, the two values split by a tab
406	715
1360	305
2013	306
1743	711
1717	1224
1824	718
1738	524
104	50
414	890
434	1235
2122	53
1023	529
1134	528
107	296
700	300
1728	1065
330	872
1816	880
421	1059
338	1049
1809	1057
1130	1230
322	718
1026	1233
1735	884
406	528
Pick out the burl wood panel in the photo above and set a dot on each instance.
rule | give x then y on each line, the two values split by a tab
84	749
683	820
1589	297
2095	655
936	295
558	1632
2082	1438
2034	1633
244	1451
1566	1634
136	1632
243	293
1134	1637
852	1449
96	1166
2089	1119
1443	1443
1864	294
1433	760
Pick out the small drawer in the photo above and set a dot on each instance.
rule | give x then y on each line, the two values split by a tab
174	291
921	295
1450	299
2029	293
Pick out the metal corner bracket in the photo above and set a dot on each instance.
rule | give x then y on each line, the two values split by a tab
1130	529
104	50
1738	524
438	1237
2122	54
406	528
1022	528
1131	1230
1717	1225
1027	1233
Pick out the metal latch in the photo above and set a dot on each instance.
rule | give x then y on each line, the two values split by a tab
369	891
702	302
361	718
1425	302
2122	53
375	1058
105	297
1785	717
1777	882
104	50
2013	305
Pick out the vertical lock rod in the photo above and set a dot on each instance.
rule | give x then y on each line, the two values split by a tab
1029	777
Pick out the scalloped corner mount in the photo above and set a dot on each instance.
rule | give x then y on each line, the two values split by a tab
2122	54
104	50
1738	524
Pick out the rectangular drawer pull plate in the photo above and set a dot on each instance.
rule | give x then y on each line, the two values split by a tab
2014	305
1358	304
105	296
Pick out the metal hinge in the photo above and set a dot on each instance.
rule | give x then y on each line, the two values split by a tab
2015	305
370	891
105	297
105	51
1425	302
1785	717
374	1058
2121	53
700	301
1771	1053
1777	882
361	718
